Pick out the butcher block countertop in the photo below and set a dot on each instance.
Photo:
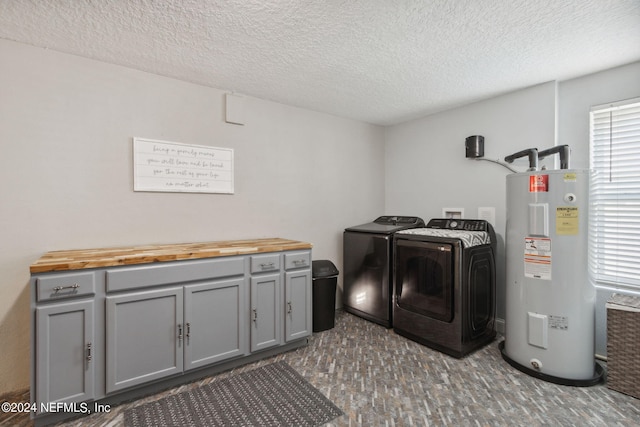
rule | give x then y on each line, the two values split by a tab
109	257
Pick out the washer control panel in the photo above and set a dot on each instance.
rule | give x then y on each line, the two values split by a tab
459	224
400	220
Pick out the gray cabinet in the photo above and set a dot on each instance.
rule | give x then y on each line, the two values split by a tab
298	318
154	334
266	301
266	311
119	331
157	333
215	322
280	312
144	337
65	368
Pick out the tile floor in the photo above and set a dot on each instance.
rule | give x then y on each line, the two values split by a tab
379	378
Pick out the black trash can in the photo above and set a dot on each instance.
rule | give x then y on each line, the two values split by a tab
325	278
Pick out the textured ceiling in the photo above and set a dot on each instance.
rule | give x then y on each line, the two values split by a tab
378	61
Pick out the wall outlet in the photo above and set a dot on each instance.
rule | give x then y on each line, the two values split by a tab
454	213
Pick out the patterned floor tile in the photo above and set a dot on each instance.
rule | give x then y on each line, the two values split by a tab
379	378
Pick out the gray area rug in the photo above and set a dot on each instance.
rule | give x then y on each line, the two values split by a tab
272	395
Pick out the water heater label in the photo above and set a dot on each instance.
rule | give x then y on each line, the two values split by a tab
566	220
538	183
559	322
537	258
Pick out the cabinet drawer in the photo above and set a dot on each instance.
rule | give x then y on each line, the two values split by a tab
297	260
124	278
59	286
260	263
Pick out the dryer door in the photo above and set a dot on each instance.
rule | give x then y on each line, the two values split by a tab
424	278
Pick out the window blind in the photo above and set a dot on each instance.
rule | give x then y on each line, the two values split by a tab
615	194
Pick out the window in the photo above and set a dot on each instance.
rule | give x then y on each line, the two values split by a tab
615	194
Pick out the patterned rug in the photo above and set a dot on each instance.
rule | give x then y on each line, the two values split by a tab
272	395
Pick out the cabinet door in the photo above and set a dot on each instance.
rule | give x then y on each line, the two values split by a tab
215	318
144	335
298	319
64	345
266	311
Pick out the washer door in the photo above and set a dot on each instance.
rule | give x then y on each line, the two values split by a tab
424	278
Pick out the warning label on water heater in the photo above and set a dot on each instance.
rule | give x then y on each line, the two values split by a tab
538	183
537	258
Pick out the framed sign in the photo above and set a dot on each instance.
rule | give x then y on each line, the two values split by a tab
184	168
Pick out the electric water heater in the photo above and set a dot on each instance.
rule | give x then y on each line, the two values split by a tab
550	296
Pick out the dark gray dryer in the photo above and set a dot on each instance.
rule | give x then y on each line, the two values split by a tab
368	269
445	285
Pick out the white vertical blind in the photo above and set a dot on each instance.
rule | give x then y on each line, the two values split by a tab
615	193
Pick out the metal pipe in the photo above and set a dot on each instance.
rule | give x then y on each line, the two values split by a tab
563	150
533	157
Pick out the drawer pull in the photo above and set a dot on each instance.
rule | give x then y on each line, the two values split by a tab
267	265
89	352
59	288
300	261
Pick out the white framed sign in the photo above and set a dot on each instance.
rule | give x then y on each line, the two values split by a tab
184	168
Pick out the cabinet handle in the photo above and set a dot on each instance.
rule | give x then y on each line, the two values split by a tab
188	335
89	352
255	315
267	265
290	309
59	288
299	261
179	332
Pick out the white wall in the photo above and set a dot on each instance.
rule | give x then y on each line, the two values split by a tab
66	129
427	170
577	96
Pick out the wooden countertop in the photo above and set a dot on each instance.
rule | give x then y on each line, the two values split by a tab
109	257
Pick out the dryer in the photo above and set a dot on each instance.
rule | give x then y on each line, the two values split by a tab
368	268
444	288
